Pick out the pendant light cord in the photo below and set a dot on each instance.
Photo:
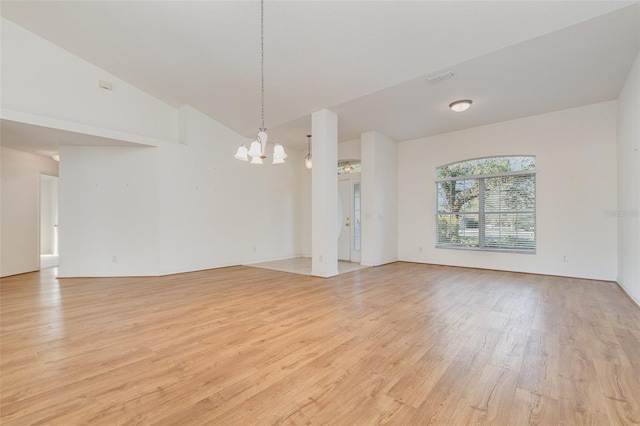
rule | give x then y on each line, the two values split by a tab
262	61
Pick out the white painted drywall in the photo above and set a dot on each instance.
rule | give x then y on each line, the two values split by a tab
175	207
349	150
19	209
108	198
575	153
41	79
628	209
217	211
148	211
324	194
379	199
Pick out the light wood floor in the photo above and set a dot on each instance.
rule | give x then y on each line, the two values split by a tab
402	344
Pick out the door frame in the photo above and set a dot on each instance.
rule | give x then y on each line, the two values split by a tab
55	238
353	178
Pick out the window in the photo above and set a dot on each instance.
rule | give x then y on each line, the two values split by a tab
356	217
349	166
487	204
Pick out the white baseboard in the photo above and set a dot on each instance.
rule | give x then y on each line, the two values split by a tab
633	299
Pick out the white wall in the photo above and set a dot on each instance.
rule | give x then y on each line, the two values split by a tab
217	211
349	150
147	211
379	179
176	207
575	153
628	209
108	199
41	79
19	209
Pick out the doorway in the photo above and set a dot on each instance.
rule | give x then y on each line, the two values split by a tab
349	232
48	221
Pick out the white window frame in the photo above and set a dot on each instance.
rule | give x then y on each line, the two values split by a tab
481	212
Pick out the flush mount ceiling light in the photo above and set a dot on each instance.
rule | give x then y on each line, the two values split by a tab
307	159
462	105
258	148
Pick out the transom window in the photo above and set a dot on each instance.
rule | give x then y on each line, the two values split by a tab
487	204
349	166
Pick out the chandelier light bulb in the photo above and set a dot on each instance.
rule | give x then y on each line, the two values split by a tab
242	152
278	152
255	150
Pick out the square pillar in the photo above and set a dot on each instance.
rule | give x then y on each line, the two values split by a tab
324	194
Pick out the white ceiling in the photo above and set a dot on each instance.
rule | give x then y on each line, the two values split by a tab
367	60
46	140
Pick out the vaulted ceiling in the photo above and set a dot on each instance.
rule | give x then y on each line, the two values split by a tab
367	60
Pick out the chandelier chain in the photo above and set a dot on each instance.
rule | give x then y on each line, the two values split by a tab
262	62
258	147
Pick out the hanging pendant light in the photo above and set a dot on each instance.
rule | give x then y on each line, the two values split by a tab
307	159
258	148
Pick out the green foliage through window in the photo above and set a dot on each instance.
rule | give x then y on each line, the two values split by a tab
487	204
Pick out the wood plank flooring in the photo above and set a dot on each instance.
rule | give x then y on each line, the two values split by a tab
401	344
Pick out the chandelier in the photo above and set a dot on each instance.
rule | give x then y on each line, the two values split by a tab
258	148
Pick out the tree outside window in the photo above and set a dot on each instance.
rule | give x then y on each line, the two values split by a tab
487	204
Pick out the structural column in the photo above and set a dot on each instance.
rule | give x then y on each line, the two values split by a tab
324	194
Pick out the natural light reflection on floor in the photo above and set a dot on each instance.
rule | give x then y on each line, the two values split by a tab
302	265
50	298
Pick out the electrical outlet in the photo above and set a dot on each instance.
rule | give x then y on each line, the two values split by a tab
254	248
114	259
565	258
420	249
320	258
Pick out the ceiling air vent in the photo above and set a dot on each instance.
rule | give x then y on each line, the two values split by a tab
439	78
